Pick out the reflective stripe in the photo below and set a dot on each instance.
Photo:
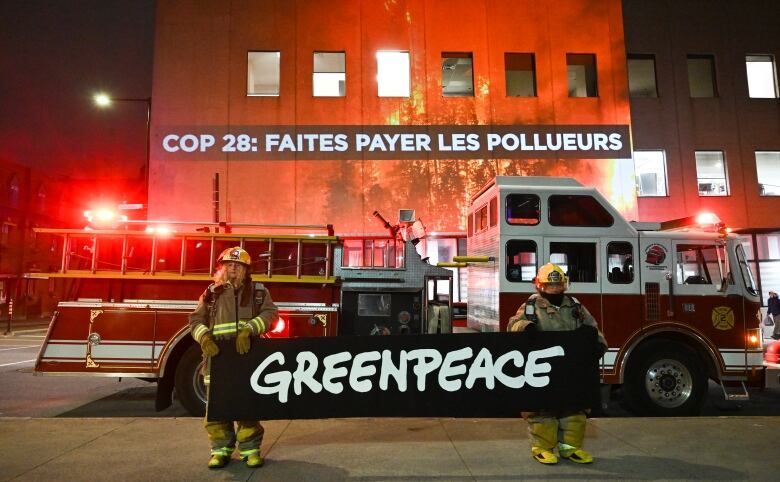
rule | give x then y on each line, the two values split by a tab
198	332
207	379
224	328
258	324
247	453
226	451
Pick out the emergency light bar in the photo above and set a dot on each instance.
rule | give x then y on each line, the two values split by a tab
704	221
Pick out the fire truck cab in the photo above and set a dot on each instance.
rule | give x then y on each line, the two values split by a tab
676	301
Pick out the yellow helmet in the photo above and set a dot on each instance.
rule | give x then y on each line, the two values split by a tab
236	255
551	273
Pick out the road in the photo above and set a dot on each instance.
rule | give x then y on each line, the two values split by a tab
25	395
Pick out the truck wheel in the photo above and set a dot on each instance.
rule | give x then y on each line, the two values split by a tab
190	389
665	378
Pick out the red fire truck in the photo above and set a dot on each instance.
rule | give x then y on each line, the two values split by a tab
129	294
676	301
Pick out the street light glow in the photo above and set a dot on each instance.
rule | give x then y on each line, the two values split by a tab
102	100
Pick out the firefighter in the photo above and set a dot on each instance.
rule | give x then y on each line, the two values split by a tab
551	310
232	307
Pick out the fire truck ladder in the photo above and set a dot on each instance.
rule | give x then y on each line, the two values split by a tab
127	254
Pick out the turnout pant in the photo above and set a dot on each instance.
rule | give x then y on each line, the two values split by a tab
566	429
223	437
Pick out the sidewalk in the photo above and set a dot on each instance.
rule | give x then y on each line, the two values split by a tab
374	449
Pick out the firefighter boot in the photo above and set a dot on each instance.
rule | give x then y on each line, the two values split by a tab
543	431
217	461
572	435
255	460
546	457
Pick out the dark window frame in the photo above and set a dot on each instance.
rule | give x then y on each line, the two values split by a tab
626	275
592	269
532	59
552	211
508	270
655	75
538	211
713	74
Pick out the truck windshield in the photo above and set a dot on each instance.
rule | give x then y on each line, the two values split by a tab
747	273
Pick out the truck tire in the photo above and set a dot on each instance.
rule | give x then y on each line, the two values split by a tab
665	379
190	389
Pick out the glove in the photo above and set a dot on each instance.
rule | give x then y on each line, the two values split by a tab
208	346
244	341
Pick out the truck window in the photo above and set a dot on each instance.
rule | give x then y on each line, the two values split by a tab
522	209
697	264
744	267
520	260
481	219
570	210
493	212
620	262
577	259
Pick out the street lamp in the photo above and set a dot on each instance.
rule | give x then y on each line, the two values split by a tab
103	100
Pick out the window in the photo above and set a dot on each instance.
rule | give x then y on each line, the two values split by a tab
329	77
520	260
650	171
392	73
570	210
698	264
481	219
263	73
374	304
493	212
520	72
768	259
701	76
522	209
768	171
581	70
761	76
620	262
457	74
641	76
373	253
577	259
444	249
747	273
711	173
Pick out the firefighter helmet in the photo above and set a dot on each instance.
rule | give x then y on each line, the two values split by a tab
551	273
236	255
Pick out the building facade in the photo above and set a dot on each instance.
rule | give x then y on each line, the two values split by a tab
394	63
700	99
705	117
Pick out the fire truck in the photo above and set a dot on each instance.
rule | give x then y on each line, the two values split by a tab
676	300
128	294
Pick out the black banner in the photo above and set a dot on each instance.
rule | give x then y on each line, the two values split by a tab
454	375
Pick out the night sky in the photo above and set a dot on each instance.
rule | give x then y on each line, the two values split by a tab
54	55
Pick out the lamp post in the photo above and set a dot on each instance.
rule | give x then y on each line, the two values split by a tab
104	100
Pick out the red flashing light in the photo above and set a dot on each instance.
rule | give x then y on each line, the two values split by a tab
707	219
104	218
281	324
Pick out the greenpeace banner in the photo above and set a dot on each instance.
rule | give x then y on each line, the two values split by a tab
302	142
454	375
